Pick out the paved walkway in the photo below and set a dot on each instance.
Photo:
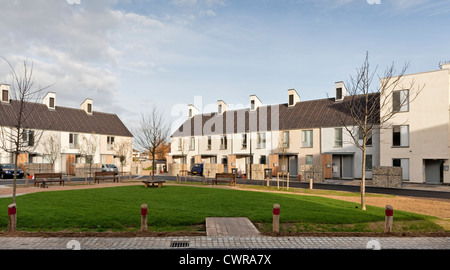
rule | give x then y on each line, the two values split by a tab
223	242
230	226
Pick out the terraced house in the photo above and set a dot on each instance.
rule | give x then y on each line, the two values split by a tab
280	137
67	136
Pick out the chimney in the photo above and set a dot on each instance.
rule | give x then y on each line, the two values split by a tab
255	102
50	100
192	111
293	97
4	92
87	106
341	91
221	107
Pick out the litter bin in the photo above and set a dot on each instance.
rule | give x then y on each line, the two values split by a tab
267	173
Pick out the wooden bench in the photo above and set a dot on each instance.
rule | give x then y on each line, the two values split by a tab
44	178
225	177
153	182
105	176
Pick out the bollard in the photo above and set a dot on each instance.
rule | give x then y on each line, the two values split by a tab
276	218
389	219
144	217
12	217
310	184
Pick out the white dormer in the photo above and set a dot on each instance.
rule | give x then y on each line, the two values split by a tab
50	100
221	107
340	90
255	102
87	106
4	93
192	111
293	97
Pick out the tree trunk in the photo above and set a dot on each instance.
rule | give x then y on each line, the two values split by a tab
363	179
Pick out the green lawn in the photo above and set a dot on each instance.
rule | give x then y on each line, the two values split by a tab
173	208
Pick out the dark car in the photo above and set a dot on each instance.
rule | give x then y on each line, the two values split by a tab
7	171
109	168
197	169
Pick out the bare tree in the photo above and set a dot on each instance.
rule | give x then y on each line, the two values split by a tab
366	111
18	135
122	150
88	148
51	147
152	132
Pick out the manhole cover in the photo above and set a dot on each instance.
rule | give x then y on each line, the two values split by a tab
178	244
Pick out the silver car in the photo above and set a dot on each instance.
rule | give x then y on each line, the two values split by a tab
109	168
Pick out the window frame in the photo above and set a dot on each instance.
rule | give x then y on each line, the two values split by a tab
338	142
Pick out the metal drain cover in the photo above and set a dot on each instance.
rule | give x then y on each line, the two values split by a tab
179	244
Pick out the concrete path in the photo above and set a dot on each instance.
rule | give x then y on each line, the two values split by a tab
230	226
223	242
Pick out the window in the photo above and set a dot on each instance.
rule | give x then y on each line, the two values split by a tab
89	108
400	101
369	136
192	144
291	100
28	137
404	163
307	138
261	141
252	105
180	144
220	109
52	102
369	162
285	139
208	146
73	141
190	113
262	160
338	137
400	136
339	93
5	95
244	141
223	142
109	143
309	160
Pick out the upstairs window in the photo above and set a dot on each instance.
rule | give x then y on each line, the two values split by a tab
369	136
307	138
5	95
28	137
338	137
400	136
252	105
52	102
73	141
109	143
339	93
291	100
192	144
208	146
244	141
400	101
261	141
223	142
285	139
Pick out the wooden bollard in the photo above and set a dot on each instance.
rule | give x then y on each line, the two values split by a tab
276	218
311	183
12	217
143	217
389	219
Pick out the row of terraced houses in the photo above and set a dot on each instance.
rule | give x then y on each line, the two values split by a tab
286	136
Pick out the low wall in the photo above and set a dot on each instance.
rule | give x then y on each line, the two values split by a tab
384	176
314	172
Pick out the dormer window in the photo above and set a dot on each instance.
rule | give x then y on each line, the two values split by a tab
220	109
339	93
89	108
5	95
291	100
190	113
52	102
252	105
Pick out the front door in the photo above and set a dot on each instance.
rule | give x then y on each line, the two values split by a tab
70	164
433	171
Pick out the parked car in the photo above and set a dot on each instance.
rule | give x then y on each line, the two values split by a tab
110	168
7	171
197	169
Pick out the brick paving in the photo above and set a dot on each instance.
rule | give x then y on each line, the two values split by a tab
223	242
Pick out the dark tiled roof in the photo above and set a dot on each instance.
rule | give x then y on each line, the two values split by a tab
305	114
63	119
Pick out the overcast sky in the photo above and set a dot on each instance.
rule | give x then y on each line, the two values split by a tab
131	55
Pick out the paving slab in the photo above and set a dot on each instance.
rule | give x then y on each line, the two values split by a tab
230	226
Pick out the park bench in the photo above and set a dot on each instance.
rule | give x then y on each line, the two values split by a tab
102	176
44	178
153	182
225	177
